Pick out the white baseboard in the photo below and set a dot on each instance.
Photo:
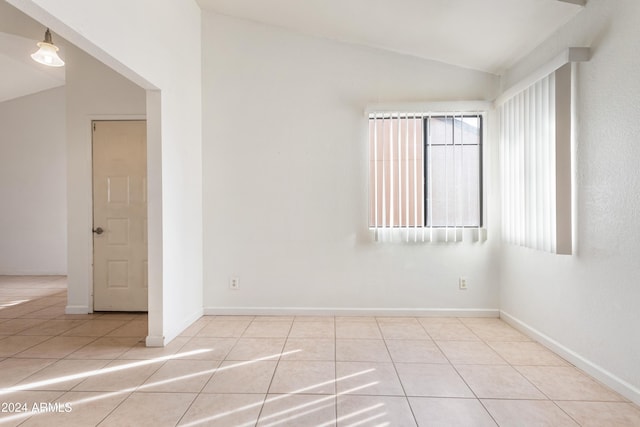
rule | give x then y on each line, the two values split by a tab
155	341
161	341
170	335
621	386
333	311
77	309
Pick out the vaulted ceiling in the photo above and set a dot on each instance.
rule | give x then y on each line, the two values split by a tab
486	35
20	75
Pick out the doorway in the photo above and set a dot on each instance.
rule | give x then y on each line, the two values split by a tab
120	266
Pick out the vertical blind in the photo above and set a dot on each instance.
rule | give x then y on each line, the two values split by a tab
528	178
534	165
425	175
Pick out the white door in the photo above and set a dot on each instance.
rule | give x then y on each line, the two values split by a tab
120	215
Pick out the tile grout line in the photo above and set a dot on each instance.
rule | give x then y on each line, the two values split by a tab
273	375
477	399
544	394
204	384
132	389
379	325
514	367
114	408
395	368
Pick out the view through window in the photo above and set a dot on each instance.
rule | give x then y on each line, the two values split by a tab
425	170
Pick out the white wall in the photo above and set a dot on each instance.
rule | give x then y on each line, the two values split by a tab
93	91
33	221
156	45
13	21
588	302
286	182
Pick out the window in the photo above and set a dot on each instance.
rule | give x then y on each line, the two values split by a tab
537	119
536	164
425	171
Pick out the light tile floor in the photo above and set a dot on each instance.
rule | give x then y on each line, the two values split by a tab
282	371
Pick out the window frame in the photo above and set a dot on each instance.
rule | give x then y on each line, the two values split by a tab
426	161
425	116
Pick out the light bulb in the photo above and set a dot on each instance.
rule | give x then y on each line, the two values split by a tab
48	52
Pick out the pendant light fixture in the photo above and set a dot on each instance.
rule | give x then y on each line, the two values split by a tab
48	52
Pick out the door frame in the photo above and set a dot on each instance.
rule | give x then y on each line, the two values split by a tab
104	117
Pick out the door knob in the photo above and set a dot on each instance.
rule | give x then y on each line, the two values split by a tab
98	230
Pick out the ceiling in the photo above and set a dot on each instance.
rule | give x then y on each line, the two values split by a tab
19	74
486	35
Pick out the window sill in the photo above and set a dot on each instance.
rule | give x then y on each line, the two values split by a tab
429	234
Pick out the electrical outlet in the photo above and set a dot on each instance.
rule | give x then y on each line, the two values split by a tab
462	283
234	283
